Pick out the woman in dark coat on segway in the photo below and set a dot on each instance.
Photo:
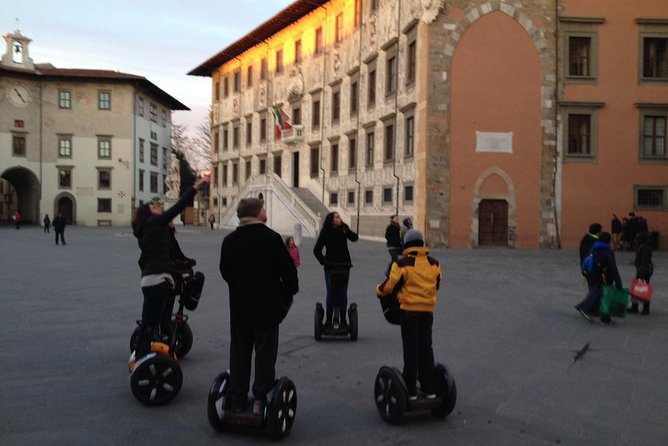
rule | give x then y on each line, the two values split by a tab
334	237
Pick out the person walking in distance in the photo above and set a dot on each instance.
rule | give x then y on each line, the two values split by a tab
59	227
47	223
644	268
212	221
262	278
393	238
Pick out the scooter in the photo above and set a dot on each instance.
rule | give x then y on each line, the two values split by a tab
156	378
278	415
337	279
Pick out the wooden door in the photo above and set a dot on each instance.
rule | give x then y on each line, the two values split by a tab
493	223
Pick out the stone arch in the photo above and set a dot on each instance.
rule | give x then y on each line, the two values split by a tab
69	211
509	196
27	187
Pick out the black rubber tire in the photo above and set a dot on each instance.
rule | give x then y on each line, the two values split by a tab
446	388
184	339
156	380
282	409
134	339
317	322
217	401
390	395
352	321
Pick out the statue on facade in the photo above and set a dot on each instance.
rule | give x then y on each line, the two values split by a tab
173	181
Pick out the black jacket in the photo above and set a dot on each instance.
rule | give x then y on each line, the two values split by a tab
155	238
335	242
393	235
261	275
586	244
643	262
58	224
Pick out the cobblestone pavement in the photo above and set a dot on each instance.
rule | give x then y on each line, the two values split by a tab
505	325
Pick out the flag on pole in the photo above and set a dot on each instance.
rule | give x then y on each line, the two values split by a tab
281	122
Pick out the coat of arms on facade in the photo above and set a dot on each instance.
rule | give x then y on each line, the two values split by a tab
236	100
337	61
430	10
262	94
295	83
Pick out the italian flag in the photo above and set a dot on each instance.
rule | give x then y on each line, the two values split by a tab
281	122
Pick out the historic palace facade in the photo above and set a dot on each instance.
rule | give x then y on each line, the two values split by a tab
502	123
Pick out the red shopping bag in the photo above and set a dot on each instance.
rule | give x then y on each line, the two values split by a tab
641	290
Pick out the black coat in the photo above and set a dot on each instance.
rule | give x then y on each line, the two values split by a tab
261	275
643	262
58	224
335	242
393	235
586	244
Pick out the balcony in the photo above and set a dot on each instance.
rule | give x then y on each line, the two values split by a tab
293	135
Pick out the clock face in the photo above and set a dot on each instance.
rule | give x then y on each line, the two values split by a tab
18	95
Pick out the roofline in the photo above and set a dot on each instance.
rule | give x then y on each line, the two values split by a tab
284	18
95	75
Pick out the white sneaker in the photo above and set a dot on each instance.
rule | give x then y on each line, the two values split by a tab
412	397
431	396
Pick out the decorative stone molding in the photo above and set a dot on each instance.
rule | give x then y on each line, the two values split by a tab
431	9
295	83
236	104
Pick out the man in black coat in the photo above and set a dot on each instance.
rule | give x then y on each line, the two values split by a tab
262	279
393	238
59	226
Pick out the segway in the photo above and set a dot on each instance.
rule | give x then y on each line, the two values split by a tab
277	418
337	279
391	392
156	378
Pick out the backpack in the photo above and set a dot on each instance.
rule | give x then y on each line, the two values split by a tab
593	264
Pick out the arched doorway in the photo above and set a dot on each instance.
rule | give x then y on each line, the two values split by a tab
66	205
493	223
25	196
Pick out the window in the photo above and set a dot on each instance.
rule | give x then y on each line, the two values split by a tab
64	99
315	114
654	135
374	5
249	76
279	61
411	62
104	205
351	197
655	58
387	195
391	75
264	69
334	158
65	177
369	149
214	180
409	147
298	51
226	87
338	31
154	154
371	96
336	106
216	90
104	179
579	134
235	136
226	137
354	97
237	81
277	165
141	180
249	133
164	118
263	129
333	198
318	41
153	112
154	183
104	147
247	172
104	100
352	153
19	123
651	197
579	56
263	166
235	173
296	115
225	175
216	141
64	146
389	142
141	150
408	194
164	158
315	162
19	145
368	197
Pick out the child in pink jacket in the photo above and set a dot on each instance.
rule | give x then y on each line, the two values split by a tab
293	250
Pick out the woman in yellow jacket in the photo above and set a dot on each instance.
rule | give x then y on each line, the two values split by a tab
415	279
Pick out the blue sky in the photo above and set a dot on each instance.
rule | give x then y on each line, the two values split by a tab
161	40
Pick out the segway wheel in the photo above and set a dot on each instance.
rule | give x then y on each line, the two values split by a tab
216	405
282	408
156	379
352	321
317	325
134	339
184	339
446	387
391	395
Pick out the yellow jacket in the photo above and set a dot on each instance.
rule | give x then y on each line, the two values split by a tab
415	278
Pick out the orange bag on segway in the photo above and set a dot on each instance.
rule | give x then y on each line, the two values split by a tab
641	290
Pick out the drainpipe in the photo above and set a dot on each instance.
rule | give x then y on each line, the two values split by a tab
359	71
556	118
41	149
396	102
322	102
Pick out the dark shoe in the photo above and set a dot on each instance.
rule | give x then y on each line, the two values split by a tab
584	314
633	309
605	320
645	309
258	408
343	323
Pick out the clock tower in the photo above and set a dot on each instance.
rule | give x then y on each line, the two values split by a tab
17	51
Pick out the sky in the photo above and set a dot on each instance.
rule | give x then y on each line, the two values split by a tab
161	40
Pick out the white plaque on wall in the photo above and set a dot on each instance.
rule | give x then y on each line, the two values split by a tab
499	142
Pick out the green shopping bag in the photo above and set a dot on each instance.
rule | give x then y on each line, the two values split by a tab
614	301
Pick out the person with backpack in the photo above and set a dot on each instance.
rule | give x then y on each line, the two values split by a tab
600	268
